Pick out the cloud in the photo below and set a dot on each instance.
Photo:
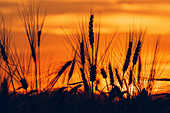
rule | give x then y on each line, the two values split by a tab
64	11
7	7
143	2
143	7
136	7
60	7
6	4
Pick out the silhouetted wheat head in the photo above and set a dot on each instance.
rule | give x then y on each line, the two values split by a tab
125	81
91	33
33	24
14	61
111	75
133	77
87	55
128	56
5	38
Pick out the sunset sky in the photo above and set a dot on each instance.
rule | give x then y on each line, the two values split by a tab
121	14
154	14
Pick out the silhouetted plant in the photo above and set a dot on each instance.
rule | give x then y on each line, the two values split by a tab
30	16
4	96
5	38
60	72
127	93
111	75
128	55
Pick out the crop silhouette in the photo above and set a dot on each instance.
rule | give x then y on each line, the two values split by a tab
127	87
30	16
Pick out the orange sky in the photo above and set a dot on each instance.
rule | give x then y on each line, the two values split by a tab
153	14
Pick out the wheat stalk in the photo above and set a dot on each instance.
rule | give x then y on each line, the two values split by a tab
86	86
82	53
5	37
127	60
24	83
118	77
103	72
39	36
71	69
130	77
111	75
55	79
92	73
91	33
139	69
153	68
137	51
29	21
